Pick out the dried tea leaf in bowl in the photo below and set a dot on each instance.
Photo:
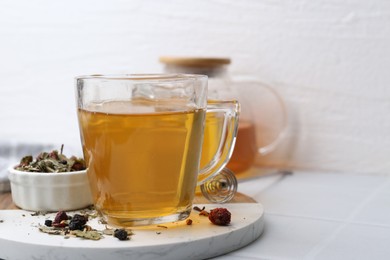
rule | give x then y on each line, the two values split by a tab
51	162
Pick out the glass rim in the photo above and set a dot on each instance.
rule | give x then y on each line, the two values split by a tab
153	77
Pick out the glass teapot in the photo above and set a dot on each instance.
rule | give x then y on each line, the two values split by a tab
263	118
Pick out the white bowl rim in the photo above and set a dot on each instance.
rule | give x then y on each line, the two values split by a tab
12	170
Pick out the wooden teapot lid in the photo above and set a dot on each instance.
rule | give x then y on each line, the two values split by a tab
195	61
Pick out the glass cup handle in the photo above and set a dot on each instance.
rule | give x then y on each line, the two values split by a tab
214	178
221	188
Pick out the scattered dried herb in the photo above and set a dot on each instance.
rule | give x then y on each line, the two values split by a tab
87	234
199	209
76	226
89	212
102	221
121	234
52	230
161	226
108	231
39	213
220	216
204	213
53	161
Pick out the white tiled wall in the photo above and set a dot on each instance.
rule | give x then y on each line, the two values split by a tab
329	59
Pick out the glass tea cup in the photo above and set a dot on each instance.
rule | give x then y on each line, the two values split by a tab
142	141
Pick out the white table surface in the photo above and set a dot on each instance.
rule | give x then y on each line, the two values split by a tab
317	215
313	215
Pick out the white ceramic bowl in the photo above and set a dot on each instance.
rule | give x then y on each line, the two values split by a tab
40	191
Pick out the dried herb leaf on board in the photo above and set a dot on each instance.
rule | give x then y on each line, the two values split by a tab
87	234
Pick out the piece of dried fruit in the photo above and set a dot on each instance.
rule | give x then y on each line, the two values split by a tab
220	216
60	216
121	234
77	222
48	222
189	222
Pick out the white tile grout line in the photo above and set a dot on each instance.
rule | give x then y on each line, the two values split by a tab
324	243
274	179
326	219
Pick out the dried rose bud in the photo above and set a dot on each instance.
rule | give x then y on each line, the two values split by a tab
61	215
220	216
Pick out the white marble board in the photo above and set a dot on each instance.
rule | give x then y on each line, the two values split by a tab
21	239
